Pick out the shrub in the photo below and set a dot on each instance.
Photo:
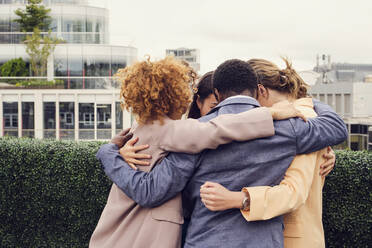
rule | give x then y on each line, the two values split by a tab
14	68
52	194
347	201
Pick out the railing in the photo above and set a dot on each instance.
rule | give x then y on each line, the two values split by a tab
68	37
70	82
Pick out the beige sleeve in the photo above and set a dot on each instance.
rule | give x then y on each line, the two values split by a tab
193	136
267	202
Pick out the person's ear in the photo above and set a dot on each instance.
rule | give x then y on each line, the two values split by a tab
262	91
199	103
217	95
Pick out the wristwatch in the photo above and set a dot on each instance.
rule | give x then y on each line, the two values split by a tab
246	203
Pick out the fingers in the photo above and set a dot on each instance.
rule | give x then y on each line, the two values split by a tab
327	164
209	184
328	156
140	155
140	148
132	142
207	196
207	202
206	190
330	150
326	171
138	162
208	205
133	166
130	146
212	205
302	116
326	168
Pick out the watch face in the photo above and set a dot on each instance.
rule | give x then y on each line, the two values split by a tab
246	204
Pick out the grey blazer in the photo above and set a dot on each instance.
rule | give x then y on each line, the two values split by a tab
235	165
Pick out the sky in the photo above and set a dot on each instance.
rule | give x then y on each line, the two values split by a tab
245	29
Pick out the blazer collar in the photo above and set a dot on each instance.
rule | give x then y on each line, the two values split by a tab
246	100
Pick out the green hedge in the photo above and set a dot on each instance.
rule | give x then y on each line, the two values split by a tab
52	194
347	201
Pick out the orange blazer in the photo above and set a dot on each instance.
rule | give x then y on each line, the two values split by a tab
125	224
298	196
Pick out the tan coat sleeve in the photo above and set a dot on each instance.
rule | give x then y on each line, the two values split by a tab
268	202
192	136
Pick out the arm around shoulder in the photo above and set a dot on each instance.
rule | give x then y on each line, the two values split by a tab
327	129
193	136
148	189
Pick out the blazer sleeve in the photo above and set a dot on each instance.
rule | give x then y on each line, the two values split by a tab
193	136
327	129
148	189
268	202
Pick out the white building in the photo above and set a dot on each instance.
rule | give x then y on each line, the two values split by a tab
191	56
349	91
62	114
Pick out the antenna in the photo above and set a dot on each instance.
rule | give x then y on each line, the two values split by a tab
325	67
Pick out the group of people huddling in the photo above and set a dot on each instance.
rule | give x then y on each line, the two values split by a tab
245	169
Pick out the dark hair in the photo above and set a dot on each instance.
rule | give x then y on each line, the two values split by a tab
233	77
203	90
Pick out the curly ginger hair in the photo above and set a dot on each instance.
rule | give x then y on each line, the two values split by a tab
153	90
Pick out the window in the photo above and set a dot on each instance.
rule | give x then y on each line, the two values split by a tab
10	115
66	120
359	129
11	120
28	119
86	120
119	118
358	142
104	121
49	119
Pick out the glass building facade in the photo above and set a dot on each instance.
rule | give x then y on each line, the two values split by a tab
85	60
72	21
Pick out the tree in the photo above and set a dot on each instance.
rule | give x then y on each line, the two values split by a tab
14	68
34	16
39	49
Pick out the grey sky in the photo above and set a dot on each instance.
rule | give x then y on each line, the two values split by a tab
245	29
